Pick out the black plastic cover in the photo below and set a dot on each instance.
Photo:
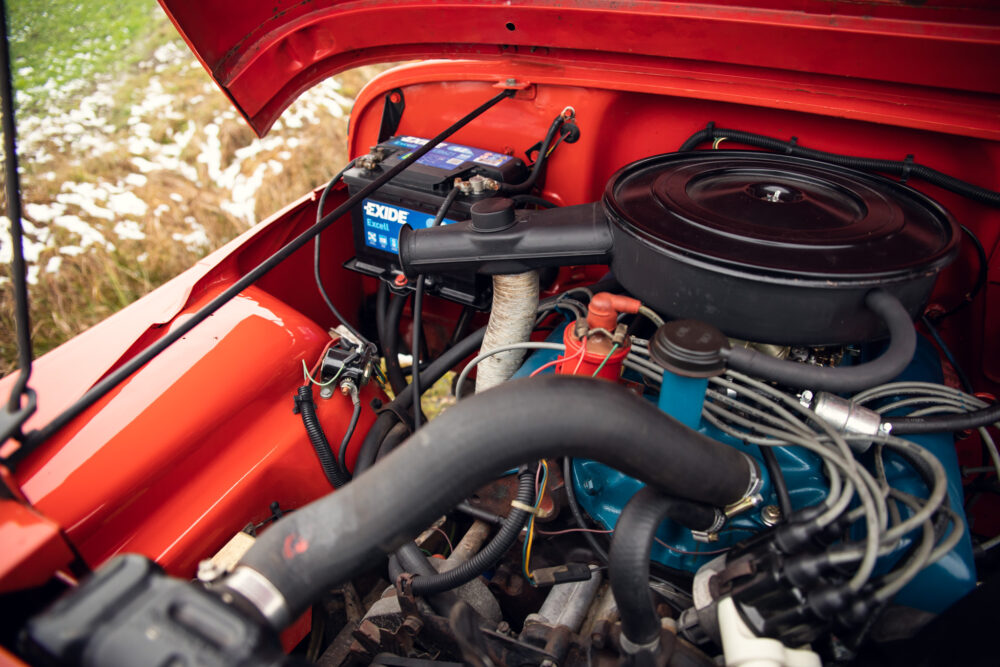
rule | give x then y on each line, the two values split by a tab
131	613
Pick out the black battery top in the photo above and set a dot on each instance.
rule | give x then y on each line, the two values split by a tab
414	197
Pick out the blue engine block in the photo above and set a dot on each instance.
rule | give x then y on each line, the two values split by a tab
602	491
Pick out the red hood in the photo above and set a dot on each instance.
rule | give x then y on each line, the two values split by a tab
264	54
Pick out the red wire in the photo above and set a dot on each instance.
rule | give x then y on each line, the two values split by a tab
583	350
558	361
320	361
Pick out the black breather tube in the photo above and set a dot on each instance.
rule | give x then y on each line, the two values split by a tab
462	449
897	356
895	167
628	569
181	328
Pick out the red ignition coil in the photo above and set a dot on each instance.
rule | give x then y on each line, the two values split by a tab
590	344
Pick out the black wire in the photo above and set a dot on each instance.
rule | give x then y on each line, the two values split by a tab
527	184
418	304
316	258
390	344
12	185
778	481
936	335
981	275
574	508
461	326
342	458
182	327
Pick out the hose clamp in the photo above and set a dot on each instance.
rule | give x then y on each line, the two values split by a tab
258	590
756	481
631	648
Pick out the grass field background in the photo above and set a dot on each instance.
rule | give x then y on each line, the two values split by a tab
134	164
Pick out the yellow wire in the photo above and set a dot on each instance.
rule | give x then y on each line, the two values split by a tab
531	522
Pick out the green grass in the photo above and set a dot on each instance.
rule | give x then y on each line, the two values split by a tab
57	42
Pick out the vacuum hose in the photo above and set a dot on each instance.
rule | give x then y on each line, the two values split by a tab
336	537
628	568
902	343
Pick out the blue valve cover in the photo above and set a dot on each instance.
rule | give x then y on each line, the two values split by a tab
602	491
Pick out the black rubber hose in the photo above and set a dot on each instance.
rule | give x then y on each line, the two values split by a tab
307	410
897	356
536	169
628	569
389	417
389	340
337	536
945	423
895	167
489	555
778	481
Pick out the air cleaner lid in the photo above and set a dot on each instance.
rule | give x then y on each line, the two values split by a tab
780	216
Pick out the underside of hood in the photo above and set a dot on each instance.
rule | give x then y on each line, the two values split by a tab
264	54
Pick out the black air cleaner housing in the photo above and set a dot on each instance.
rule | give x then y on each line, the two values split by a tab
773	248
768	248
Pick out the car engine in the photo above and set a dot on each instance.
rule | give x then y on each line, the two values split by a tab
706	402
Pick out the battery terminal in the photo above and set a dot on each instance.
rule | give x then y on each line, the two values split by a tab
477	185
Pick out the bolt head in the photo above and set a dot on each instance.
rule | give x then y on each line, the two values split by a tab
770	514
326	392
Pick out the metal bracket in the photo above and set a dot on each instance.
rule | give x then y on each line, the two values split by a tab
11	423
392	113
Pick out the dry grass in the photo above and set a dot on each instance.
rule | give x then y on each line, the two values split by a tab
187	215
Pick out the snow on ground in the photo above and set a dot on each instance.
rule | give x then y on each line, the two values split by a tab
98	212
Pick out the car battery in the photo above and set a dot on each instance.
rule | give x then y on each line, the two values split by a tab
414	197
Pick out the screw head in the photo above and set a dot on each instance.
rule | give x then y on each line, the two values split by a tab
326	392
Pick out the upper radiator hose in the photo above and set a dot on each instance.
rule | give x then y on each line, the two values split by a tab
338	536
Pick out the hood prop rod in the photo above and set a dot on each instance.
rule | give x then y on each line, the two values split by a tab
22	401
181	329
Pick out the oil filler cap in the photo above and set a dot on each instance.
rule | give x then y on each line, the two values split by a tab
492	215
689	347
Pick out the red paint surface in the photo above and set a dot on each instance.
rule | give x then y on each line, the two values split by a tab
265	54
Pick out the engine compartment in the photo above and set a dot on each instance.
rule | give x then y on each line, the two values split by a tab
152	470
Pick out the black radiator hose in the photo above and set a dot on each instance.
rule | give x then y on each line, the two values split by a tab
307	409
336	537
892	362
628	568
895	167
